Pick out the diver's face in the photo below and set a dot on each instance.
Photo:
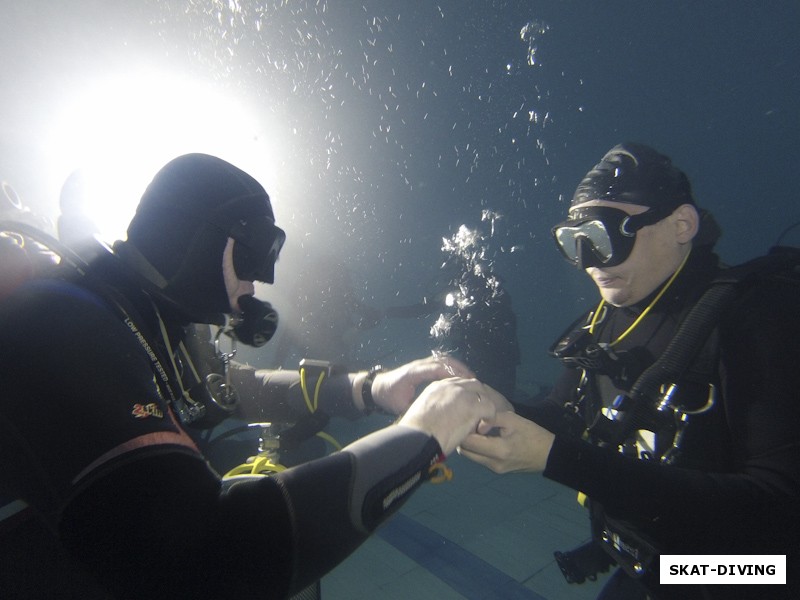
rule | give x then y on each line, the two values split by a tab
233	285
657	254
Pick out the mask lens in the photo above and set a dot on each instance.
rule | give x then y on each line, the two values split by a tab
258	245
592	232
596	236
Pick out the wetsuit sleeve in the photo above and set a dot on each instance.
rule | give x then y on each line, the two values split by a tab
95	450
276	395
364	484
549	410
751	504
263	537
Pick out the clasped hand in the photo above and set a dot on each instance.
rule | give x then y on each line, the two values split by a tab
461	412
453	408
515	444
395	390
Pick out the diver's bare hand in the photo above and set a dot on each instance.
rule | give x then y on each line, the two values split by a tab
395	390
516	444
453	408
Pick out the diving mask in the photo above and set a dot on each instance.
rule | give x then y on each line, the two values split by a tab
258	244
602	236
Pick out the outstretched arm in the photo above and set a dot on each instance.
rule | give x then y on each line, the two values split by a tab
277	395
267	535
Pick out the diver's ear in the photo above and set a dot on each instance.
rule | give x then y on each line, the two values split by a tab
687	223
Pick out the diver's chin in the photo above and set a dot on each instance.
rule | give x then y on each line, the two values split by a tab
614	291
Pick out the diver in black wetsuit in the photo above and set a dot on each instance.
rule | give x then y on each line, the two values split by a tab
476	324
483	332
106	492
719	474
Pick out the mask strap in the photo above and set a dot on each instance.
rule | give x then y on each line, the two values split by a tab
648	217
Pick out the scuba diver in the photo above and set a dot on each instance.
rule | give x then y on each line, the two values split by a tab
107	494
476	322
479	327
676	417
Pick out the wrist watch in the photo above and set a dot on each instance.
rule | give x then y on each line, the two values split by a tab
366	389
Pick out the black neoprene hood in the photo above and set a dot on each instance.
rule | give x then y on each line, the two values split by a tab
633	173
183	222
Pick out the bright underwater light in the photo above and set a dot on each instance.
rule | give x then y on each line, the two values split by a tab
120	131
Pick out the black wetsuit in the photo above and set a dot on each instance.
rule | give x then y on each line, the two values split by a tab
735	488
120	502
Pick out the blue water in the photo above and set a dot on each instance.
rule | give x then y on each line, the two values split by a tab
389	126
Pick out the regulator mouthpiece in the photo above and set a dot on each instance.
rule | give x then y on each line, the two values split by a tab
257	323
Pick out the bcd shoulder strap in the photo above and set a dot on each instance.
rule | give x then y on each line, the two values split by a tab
647	404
